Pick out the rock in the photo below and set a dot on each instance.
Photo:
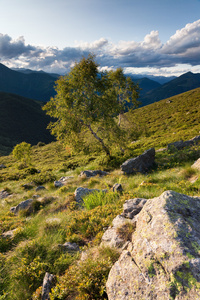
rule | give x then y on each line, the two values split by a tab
69	247
39	188
2	166
182	144
4	194
58	184
142	163
132	207
65	179
21	206
80	192
196	164
90	173
163	259
10	233
112	237
47	285
117	187
61	182
28	186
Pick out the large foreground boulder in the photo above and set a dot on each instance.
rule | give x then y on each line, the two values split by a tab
142	163
163	259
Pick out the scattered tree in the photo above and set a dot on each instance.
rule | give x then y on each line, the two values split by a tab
87	104
22	152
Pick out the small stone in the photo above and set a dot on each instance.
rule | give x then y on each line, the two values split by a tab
39	188
117	187
58	184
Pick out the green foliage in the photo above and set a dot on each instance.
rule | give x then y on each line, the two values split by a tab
99	199
22	152
87	102
86	280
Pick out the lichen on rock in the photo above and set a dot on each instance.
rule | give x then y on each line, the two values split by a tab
163	260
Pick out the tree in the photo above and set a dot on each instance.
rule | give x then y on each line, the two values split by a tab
86	104
22	152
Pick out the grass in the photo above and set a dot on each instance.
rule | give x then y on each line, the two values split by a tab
34	248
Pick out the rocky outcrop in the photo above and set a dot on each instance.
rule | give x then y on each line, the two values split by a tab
91	173
182	144
142	163
162	260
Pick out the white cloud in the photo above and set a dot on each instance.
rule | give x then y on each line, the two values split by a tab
182	48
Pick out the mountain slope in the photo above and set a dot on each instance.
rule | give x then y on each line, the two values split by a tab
181	84
21	119
34	85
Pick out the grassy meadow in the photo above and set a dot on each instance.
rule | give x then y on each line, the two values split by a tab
33	248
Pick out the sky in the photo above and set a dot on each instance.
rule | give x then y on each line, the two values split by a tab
152	37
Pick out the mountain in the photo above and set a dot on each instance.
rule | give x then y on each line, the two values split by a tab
147	85
32	84
21	119
181	84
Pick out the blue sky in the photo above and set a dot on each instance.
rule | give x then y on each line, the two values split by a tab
158	37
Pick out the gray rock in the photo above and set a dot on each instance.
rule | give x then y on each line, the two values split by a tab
81	192
47	285
69	247
2	166
91	173
132	207
182	144
65	178
112	237
40	188
58	184
4	194
142	163
117	187
162	260
21	206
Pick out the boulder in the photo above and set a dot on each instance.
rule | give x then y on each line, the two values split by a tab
162	261
142	163
47	285
91	173
22	206
182	144
81	192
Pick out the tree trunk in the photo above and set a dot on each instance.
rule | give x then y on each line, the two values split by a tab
99	139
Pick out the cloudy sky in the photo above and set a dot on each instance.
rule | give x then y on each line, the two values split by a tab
158	37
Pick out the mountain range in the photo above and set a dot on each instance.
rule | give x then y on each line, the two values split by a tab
23	91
